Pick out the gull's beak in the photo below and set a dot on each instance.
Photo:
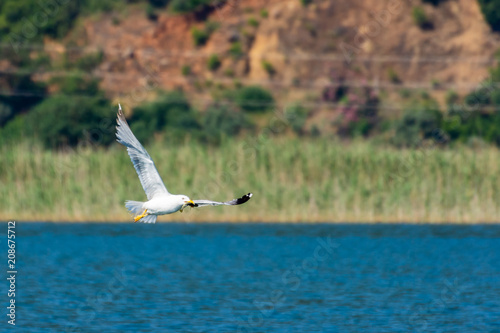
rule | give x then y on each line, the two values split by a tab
187	203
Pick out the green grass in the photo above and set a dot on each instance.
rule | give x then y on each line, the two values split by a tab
292	180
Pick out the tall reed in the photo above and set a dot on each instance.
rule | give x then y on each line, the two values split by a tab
292	181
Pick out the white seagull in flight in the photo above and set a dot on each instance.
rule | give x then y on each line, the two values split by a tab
160	201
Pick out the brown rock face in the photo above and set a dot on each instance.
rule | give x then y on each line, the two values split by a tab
284	44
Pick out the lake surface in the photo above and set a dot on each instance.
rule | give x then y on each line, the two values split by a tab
256	278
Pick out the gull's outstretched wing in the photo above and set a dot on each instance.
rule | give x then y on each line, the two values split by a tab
239	201
143	163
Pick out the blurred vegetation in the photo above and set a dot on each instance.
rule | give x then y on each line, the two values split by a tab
491	12
73	116
478	115
213	62
27	21
19	93
220	121
62	120
186	70
86	62
434	2
268	67
200	37
420	18
254	99
253	22
187	6
292	180
420	122
151	12
170	112
358	109
296	116
393	76
27	104
236	50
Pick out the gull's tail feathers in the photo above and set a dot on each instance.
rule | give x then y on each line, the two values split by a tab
135	208
148	219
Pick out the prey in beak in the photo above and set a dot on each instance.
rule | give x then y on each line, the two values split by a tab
189	203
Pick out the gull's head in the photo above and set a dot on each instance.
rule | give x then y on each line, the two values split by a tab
184	201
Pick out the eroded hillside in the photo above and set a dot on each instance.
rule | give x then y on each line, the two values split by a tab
294	48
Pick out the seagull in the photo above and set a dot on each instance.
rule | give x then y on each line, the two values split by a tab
160	201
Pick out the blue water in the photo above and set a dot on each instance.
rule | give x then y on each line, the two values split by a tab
256	278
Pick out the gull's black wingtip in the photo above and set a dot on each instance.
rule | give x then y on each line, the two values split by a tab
244	199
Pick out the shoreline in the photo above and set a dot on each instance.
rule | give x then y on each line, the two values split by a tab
255	221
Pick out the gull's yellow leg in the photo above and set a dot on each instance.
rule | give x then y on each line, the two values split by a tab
138	217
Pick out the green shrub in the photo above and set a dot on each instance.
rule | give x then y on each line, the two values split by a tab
211	26
151	13
229	72
315	131
421	121
264	13
186	70
268	67
75	83
306	2
17	103
22	21
296	115
435	84
187	6
236	50
405	93
15	131
89	61
170	111
200	37
491	12
213	62
434	2
476	124
69	120
253	22
5	113
451	98
254	99
17	17
393	76
479	116
420	18
359	112
159	3
222	121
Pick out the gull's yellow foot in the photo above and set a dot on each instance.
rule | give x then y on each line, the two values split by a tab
138	217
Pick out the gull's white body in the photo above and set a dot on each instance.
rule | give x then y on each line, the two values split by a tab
160	201
162	205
